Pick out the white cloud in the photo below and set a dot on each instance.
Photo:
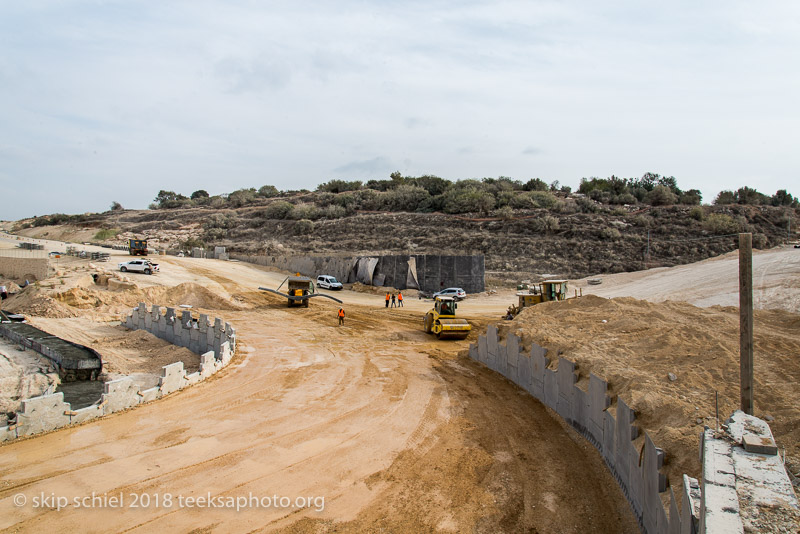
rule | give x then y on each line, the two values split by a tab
219	96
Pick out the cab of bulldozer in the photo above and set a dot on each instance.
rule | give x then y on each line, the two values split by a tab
446	306
554	290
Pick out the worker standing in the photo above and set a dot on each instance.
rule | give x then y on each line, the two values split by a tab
393	300
3	293
399	299
341	316
387	299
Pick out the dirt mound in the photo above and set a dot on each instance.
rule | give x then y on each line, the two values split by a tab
635	344
189	293
34	301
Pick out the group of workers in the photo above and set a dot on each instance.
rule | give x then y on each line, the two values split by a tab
397	300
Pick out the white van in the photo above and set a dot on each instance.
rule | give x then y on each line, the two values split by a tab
328	282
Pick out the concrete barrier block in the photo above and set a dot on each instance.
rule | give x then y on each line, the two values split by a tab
580	412
512	354
172	378
651	501
635	483
473	352
609	439
690	505
218	326
42	414
169	332
502	360
210	337
119	394
565	374
538	365
524	372
161	328
202	323
141	310
550	389
227	354
148	322
170	315
674	515
598	402
193	378
491	347
483	355
149	395
207	364
86	414
6	434
623	442
186	318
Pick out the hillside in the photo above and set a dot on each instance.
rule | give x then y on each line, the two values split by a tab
573	239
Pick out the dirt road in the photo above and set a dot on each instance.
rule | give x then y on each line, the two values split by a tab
387	425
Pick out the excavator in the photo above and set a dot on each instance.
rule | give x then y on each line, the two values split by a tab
441	320
299	290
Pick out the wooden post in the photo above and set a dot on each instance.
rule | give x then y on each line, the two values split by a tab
746	322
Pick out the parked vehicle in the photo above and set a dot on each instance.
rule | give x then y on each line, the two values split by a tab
137	247
455	292
328	282
139	266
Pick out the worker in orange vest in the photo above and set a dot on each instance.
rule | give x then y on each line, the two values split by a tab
341	315
387	299
399	299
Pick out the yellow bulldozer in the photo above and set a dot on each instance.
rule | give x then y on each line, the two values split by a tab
441	320
530	295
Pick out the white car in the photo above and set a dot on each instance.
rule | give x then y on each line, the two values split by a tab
455	292
328	282
139	266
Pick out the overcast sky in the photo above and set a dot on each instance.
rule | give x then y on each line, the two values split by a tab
105	101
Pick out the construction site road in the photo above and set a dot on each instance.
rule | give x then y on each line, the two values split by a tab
369	427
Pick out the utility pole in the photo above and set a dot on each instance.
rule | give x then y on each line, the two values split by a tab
746	322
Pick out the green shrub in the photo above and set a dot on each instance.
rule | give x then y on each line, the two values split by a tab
719	223
305	211
334	212
404	198
467	200
543	199
106	233
303	227
279	209
661	195
505	213
191	243
697	213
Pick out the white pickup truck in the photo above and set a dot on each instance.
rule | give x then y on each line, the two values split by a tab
139	266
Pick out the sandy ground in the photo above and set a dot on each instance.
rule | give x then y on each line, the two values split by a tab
385	423
394	429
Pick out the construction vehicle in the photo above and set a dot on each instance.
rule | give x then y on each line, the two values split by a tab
299	290
137	247
542	292
441	320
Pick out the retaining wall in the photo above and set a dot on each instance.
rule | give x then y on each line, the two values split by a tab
34	268
742	490
637	471
403	271
199	336
49	412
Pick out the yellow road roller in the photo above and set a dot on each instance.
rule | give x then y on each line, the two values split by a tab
442	322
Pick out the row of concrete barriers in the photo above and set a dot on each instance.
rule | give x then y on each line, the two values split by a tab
216	348
637	472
